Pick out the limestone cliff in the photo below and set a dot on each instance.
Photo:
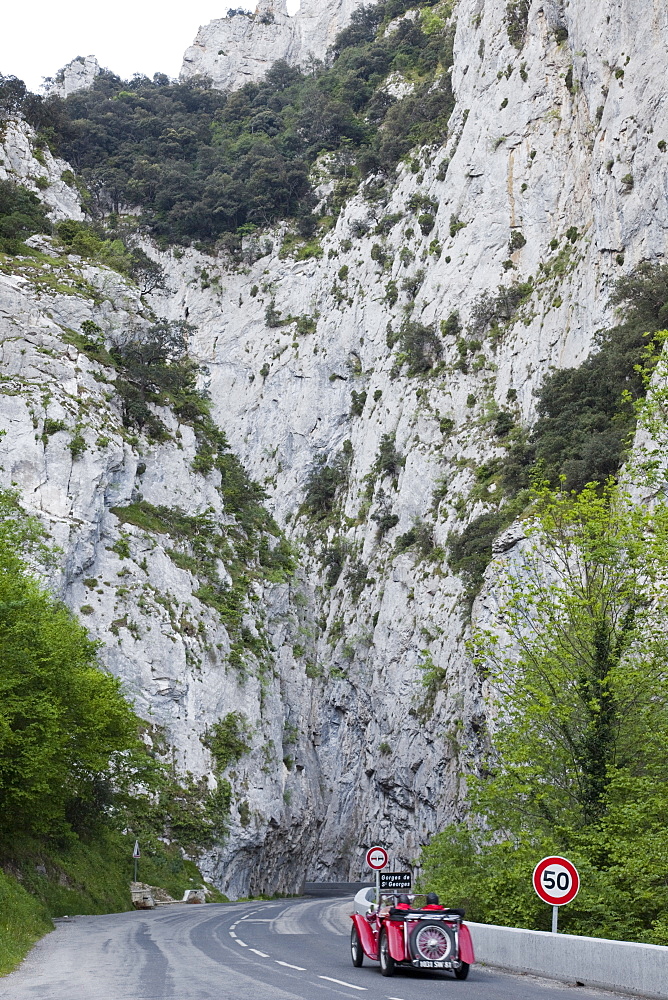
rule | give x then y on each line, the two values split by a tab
555	169
238	49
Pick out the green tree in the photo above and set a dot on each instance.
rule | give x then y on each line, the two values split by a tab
576	758
578	671
64	723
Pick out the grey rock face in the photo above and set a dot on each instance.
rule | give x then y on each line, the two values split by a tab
232	51
19	162
77	75
372	708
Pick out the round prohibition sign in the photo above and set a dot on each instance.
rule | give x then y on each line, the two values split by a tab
556	881
376	858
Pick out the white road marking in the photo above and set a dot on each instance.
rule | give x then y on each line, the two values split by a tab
232	934
288	966
262	954
395	998
239	941
258	920
341	983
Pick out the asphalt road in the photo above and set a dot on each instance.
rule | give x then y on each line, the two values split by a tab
283	950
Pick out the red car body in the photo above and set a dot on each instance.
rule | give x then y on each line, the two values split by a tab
421	938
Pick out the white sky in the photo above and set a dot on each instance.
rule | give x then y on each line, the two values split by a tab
38	37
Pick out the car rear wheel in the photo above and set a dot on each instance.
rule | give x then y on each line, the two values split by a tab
463	971
386	960
432	942
356	952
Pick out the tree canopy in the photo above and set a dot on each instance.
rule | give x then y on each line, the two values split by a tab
576	759
72	763
63	721
201	164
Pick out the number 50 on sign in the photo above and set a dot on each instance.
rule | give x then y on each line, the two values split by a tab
556	881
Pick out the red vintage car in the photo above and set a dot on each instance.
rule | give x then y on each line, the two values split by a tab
418	936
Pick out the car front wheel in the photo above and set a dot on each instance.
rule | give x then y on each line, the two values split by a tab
386	960
356	952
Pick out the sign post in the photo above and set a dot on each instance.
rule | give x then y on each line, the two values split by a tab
557	883
377	859
136	854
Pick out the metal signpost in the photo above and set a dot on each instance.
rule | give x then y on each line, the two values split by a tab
377	859
557	882
136	854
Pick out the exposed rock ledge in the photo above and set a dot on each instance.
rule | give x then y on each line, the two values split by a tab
235	50
77	75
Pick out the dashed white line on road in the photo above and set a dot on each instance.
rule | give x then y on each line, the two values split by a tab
232	934
288	966
242	943
340	982
262	954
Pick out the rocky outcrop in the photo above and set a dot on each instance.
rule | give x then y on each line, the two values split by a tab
79	74
371	708
23	160
239	49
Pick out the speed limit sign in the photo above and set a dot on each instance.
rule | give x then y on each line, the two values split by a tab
556	881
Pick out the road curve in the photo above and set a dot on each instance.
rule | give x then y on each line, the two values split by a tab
279	950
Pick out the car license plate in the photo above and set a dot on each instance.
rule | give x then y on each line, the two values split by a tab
421	964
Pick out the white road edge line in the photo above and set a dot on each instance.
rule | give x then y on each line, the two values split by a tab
341	983
262	954
288	966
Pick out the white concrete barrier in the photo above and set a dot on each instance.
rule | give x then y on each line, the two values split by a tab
639	969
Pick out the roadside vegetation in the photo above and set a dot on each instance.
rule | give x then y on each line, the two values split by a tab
575	761
80	774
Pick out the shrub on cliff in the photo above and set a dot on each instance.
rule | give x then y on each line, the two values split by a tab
587	414
517	21
21	215
323	483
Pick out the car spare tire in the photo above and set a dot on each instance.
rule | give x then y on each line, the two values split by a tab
432	942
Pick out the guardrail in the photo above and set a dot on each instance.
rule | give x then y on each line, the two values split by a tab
638	969
326	889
